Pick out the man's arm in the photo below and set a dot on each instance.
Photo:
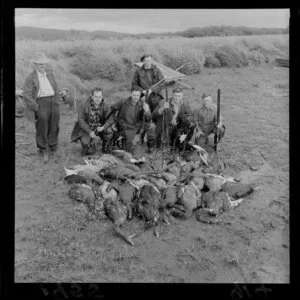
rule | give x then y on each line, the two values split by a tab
158	110
81	119
159	77
186	114
108	111
28	94
215	117
135	82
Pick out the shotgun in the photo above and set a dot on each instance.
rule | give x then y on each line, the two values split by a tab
163	124
107	117
217	121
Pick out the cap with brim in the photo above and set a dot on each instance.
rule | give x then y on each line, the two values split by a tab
40	59
177	90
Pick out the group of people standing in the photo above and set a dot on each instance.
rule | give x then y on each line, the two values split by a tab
145	115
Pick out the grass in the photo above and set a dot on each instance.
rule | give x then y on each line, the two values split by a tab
84	64
58	240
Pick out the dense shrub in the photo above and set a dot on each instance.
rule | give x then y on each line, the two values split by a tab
231	57
83	64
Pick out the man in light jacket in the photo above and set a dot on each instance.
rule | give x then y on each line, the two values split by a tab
40	94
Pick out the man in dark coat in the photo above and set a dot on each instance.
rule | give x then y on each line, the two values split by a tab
176	117
40	94
92	122
143	80
132	114
145	77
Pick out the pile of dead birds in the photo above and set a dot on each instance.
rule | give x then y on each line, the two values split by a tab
120	186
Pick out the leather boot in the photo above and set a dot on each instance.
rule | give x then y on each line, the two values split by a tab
150	146
45	156
105	146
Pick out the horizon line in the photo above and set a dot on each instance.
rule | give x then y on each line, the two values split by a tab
153	31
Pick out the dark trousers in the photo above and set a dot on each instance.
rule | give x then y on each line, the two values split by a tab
47	123
88	144
201	141
129	133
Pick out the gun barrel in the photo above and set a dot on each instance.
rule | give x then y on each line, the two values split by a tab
218	120
218	106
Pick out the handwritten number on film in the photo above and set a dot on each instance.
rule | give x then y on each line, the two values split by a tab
75	291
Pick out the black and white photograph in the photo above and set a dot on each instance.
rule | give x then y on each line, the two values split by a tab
152	145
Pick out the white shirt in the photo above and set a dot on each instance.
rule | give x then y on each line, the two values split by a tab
45	89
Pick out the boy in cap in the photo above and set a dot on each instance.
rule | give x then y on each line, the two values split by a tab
206	117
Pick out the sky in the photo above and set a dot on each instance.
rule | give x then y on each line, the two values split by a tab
148	20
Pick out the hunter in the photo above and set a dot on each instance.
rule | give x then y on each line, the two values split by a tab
130	118
93	120
206	121
178	120
145	78
41	97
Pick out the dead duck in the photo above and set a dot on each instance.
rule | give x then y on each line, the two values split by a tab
189	198
237	189
215	182
214	204
173	169
158	182
126	193
83	193
120	172
81	175
169	196
105	194
147	206
117	213
170	179
128	157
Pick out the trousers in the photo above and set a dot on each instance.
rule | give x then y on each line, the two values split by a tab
47	123
88	142
129	133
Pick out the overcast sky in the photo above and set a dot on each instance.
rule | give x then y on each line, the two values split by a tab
148	20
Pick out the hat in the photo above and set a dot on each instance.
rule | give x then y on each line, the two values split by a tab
40	58
146	55
177	90
206	95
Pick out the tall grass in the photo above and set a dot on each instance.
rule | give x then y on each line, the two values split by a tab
83	64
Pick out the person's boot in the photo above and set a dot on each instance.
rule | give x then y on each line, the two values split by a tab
45	156
150	146
53	152
105	146
84	150
120	142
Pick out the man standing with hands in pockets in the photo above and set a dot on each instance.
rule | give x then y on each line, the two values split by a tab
41	95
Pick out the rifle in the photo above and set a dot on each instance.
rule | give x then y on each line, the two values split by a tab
142	131
216	139
107	117
163	124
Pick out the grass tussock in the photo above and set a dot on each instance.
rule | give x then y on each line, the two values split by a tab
83	64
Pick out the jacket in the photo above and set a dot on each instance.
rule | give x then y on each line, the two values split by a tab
30	91
82	125
137	122
184	117
144	79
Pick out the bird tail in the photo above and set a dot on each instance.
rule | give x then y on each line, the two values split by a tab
122	235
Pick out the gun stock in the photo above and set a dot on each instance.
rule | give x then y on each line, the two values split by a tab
216	141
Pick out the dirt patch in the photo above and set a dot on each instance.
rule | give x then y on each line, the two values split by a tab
58	240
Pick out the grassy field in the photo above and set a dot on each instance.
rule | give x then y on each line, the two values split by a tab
82	65
58	240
